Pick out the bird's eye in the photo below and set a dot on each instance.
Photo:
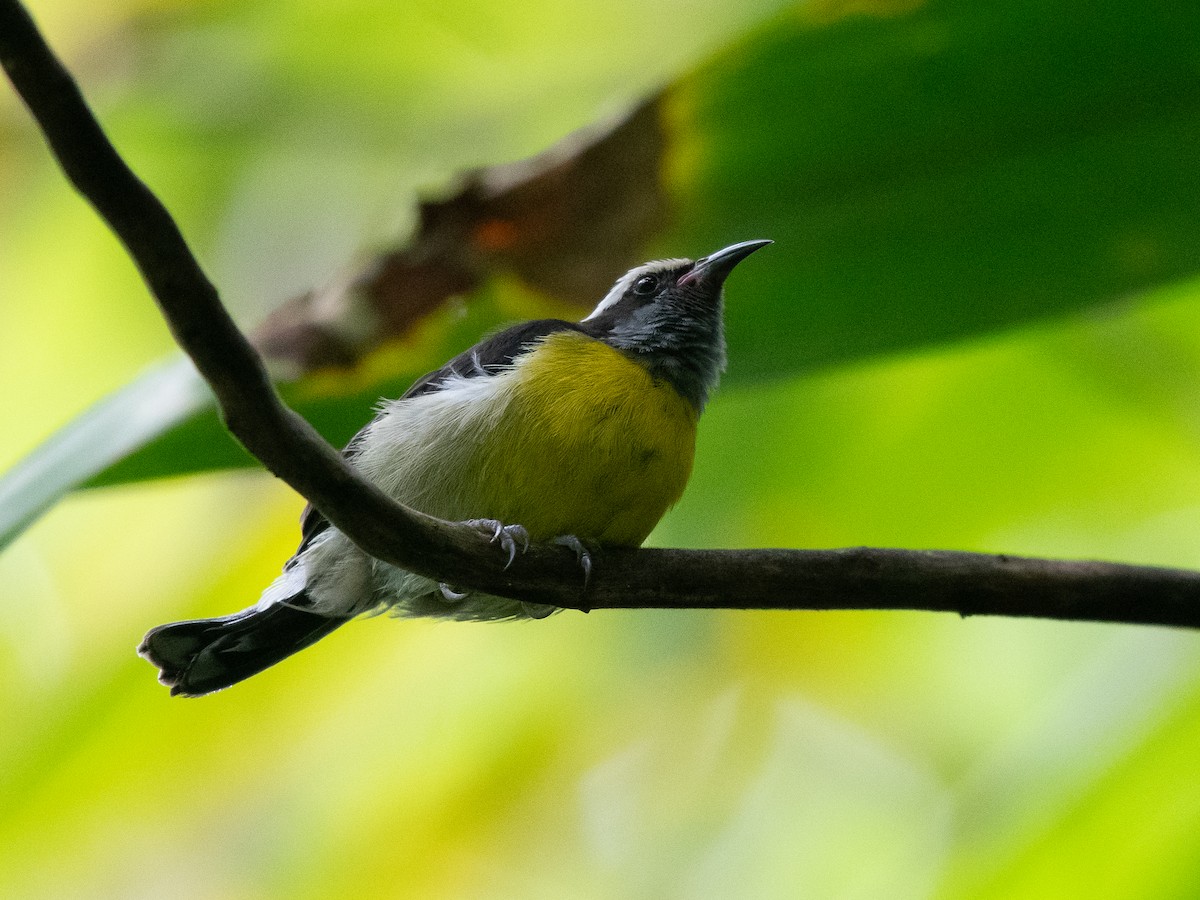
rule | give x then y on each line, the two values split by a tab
645	286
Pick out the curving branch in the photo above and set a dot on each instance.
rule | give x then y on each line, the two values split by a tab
860	578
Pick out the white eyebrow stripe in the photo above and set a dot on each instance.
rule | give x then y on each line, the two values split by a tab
616	292
626	281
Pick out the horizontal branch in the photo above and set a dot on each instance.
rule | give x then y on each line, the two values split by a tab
871	578
862	578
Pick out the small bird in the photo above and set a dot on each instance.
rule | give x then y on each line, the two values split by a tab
577	432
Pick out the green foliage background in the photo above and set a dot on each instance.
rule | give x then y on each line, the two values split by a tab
978	330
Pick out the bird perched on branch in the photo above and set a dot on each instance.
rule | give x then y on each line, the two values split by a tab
578	432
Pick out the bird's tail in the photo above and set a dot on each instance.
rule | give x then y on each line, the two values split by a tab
205	655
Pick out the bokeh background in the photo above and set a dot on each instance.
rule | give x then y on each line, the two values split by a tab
979	329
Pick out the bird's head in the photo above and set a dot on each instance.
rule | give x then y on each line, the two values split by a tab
667	315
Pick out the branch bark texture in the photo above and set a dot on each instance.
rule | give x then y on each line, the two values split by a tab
858	578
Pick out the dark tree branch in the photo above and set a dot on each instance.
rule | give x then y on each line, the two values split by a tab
966	583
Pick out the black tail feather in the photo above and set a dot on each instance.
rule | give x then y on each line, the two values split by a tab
205	655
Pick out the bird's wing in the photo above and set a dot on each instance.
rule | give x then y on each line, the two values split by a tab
489	357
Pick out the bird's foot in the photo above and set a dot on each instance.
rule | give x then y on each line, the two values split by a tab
582	554
509	536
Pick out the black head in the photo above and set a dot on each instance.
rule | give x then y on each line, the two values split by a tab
668	315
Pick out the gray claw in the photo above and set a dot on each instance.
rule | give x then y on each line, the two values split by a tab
510	535
507	535
581	554
450	595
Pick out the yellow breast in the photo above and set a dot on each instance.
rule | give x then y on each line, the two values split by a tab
589	444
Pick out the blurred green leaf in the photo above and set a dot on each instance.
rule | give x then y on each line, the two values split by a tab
123	422
942	173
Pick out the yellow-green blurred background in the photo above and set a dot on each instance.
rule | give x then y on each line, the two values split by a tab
618	754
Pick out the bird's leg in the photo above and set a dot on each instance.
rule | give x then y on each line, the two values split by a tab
508	536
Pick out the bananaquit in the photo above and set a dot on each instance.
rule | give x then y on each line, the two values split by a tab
582	432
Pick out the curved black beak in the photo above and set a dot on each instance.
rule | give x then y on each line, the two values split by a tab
712	270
